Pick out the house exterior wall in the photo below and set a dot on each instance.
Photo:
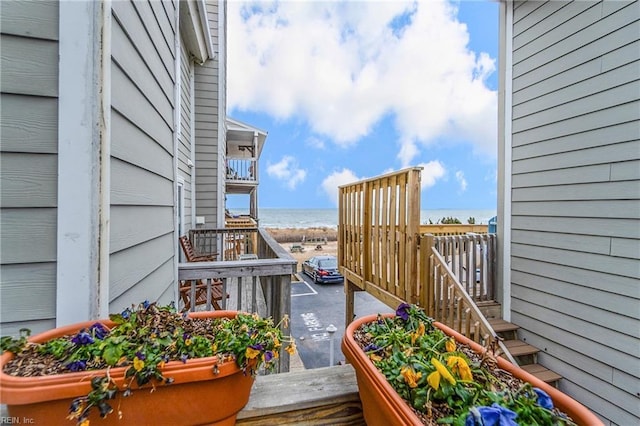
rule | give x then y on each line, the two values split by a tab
143	79
185	158
28	165
208	115
575	196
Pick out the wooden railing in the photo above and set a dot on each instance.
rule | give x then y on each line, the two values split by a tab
266	276
445	299
227	243
242	169
378	230
472	260
453	229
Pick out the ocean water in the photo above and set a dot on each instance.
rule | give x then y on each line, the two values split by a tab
316	218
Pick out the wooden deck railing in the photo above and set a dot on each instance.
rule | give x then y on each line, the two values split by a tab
242	169
378	231
472	260
227	243
453	229
267	276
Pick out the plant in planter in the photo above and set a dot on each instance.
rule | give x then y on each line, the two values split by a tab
411	370
94	367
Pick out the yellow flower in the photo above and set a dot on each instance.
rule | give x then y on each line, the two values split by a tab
410	376
291	348
459	366
375	358
276	343
188	342
85	423
441	372
450	345
138	364
252	353
418	333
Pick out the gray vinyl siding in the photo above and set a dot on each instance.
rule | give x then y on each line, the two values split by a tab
143	77
28	165
209	187
184	143
575	231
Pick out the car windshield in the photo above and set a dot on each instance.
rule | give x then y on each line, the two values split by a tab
328	263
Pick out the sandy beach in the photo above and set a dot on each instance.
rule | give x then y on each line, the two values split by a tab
288	237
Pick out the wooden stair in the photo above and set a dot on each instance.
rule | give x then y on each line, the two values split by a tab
524	353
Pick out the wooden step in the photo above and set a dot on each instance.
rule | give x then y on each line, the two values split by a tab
541	372
520	348
490	309
502	326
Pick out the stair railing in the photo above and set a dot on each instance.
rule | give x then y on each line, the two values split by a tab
446	300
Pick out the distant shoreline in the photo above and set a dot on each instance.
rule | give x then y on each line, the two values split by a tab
295	235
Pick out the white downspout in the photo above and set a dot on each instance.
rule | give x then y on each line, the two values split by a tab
505	156
176	140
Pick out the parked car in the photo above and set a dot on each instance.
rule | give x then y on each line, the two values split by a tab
323	269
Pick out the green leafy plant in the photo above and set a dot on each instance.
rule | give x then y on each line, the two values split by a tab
447	382
144	339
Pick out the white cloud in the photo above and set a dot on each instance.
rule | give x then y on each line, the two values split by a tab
431	173
342	66
331	183
287	170
462	181
315	142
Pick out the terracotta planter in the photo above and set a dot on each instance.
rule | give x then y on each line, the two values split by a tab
383	406
197	395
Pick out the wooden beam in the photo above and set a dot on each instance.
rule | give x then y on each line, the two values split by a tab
326	395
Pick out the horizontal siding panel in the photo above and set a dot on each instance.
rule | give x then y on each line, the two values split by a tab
589	191
133	65
592	318
131	185
133	225
132	145
584	123
28	235
156	287
598	209
37	19
128	267
597	298
165	23
573	242
601	101
36	327
628	170
527	73
28	180
170	8
29	123
624	132
29	66
528	13
625	54
127	99
39	302
589	261
560	98
624	347
126	16
626	247
599	155
597	173
576	220
551	19
153	30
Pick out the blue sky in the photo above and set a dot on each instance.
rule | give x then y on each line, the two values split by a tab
350	90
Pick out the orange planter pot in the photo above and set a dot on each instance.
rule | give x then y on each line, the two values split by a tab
197	395
383	406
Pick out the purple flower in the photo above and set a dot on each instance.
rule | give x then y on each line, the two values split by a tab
77	365
403	311
126	313
257	347
98	331
82	338
268	355
140	356
186	336
372	347
184	358
544	400
496	415
145	304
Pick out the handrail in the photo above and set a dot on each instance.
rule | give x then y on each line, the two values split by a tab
446	300
453	228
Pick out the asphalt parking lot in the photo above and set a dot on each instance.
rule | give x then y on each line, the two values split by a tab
314	307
